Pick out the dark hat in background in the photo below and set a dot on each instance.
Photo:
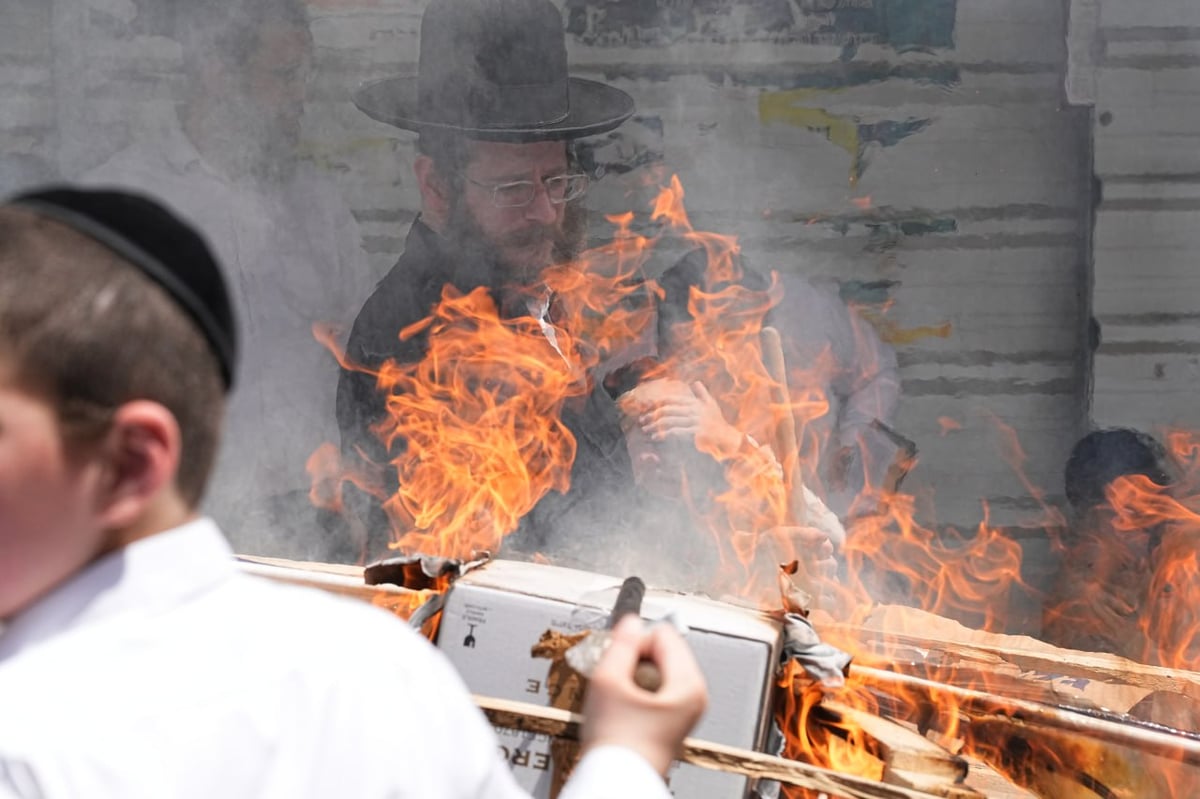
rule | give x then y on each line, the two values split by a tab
157	241
1102	456
495	70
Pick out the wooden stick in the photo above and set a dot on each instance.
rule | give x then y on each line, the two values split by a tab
788	451
306	566
560	723
1067	662
983	706
334	578
785	430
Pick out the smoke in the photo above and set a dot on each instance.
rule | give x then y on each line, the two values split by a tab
204	104
237	113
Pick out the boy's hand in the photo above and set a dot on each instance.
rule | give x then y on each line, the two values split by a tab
618	712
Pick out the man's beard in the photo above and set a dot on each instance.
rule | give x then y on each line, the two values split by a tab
573	235
566	238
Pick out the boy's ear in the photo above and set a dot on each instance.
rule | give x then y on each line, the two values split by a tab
435	193
141	454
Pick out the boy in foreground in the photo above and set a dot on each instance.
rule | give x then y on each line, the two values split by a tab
134	659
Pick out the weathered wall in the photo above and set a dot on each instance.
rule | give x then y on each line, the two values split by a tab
1144	74
921	152
28	145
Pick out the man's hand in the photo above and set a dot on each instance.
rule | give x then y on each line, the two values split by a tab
694	414
617	712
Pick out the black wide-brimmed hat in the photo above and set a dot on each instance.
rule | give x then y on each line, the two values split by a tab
495	70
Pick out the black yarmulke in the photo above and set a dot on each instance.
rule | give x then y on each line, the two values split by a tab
160	243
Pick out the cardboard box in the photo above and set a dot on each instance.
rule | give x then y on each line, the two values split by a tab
495	614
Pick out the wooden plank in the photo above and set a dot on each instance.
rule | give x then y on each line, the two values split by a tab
907	758
705	754
1052	752
890	625
1065	765
979	705
340	569
996	681
900	748
335	579
992	784
931	784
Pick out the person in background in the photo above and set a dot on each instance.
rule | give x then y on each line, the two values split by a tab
833	357
495	111
832	351
230	158
1098	601
711	451
501	190
135	660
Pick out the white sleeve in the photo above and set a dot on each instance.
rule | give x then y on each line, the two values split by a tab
825	520
18	780
434	740
872	387
614	772
864	377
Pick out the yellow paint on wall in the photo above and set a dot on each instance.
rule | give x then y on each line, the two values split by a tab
785	107
894	334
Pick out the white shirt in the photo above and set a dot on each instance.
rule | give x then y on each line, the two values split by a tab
831	349
292	257
840	352
161	671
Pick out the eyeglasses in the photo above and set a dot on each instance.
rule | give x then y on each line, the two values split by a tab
559	189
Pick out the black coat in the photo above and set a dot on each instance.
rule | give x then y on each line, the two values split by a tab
565	526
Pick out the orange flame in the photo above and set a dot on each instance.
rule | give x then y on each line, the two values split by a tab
405	605
1137	581
479	418
719	346
831	743
944	572
947	424
1169	516
479	421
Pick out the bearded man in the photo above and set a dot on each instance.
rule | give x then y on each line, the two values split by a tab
495	113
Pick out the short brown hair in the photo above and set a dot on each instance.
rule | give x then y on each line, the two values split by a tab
90	332
450	154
